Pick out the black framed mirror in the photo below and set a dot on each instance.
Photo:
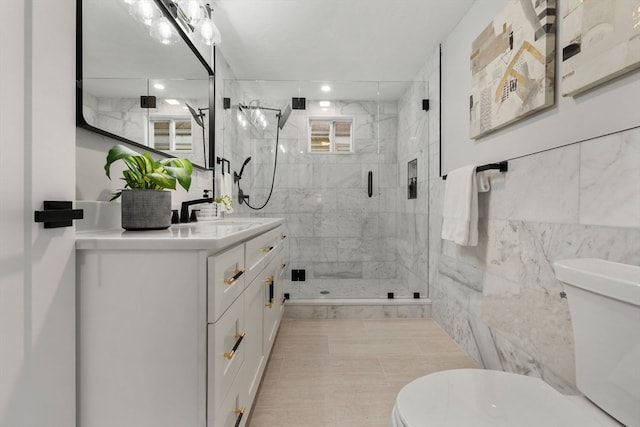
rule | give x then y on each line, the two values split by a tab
140	79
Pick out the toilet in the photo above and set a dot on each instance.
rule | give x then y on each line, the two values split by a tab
604	301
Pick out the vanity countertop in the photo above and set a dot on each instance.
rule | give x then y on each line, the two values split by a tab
203	235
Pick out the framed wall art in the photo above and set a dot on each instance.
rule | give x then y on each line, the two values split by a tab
600	40
513	66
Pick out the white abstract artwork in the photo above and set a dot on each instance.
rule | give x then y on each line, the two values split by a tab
600	40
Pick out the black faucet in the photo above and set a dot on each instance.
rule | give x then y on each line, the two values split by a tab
184	210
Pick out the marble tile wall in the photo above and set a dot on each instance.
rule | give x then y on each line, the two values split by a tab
500	300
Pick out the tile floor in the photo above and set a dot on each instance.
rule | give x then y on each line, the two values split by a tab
347	372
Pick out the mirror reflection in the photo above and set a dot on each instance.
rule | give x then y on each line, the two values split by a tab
141	82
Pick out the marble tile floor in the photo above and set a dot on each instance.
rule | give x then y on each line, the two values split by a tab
347	372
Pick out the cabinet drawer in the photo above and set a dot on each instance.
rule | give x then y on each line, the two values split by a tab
261	249
226	350
234	410
254	359
226	280
272	308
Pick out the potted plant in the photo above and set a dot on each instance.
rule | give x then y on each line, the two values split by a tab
145	206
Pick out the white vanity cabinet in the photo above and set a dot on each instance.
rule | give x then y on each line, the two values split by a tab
231	391
175	337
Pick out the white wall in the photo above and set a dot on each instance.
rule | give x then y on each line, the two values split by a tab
602	111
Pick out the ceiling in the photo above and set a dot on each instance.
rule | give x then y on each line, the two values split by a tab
333	40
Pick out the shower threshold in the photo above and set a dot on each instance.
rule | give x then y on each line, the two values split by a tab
357	308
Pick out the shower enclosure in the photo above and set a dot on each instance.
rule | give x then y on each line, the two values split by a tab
340	181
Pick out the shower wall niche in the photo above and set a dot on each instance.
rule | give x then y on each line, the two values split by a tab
343	227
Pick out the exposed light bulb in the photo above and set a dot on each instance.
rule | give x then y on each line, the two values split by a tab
325	88
209	33
163	31
143	10
191	11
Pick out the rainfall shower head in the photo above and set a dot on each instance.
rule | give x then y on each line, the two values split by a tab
284	116
197	116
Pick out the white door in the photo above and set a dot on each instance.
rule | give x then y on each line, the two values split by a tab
37	163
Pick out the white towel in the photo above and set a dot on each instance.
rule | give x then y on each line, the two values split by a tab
460	207
482	178
226	182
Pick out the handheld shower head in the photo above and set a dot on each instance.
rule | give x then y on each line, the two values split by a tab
238	176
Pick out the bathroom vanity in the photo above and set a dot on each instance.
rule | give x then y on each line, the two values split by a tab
174	327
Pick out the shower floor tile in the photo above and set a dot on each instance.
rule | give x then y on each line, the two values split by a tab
347	372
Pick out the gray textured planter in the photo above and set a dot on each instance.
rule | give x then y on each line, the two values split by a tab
146	209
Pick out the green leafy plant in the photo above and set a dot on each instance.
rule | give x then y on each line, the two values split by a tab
145	173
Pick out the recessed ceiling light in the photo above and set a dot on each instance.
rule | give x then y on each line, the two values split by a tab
325	88
158	86
172	101
325	103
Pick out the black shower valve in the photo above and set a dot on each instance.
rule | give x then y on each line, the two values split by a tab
242	198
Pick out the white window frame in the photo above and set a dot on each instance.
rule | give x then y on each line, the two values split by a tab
171	118
332	120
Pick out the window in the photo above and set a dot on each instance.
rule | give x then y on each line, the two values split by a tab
171	134
331	135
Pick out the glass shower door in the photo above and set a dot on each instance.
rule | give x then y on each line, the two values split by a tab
338	181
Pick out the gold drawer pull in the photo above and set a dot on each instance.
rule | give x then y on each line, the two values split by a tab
267	249
283	266
268	279
283	236
284	299
230	354
240	412
230	280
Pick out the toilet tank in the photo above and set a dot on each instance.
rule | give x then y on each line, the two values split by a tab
604	301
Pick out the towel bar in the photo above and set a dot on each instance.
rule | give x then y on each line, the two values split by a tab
222	160
501	166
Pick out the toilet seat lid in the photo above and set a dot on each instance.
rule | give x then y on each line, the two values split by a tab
478	397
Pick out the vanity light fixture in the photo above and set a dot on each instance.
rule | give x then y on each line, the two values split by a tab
159	86
326	88
172	101
192	16
325	103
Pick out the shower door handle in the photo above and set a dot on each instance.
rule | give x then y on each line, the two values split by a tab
370	183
